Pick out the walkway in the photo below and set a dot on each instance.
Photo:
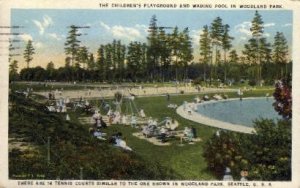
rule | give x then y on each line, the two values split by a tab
140	92
199	118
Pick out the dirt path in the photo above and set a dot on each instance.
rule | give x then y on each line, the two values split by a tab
148	91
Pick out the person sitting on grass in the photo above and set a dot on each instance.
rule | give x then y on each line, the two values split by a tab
142	113
217	97
117	118
100	123
96	116
206	98
133	121
163	134
98	134
122	144
189	134
124	120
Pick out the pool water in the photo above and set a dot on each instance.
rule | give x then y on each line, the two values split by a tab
239	112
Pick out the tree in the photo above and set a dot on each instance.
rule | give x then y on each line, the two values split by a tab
264	54
83	56
283	98
216	35
13	70
152	47
175	46
234	69
265	154
257	27
91	62
205	48
268	150
28	52
101	66
135	60
72	43
109	61
164	53
50	69
186	54
233	56
122	57
280	51
226	45
250	56
257	30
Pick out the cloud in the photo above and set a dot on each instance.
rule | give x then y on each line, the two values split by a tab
266	35
105	26
287	25
195	35
141	27
42	25
243	28
243	38
25	37
123	32
38	45
55	36
269	24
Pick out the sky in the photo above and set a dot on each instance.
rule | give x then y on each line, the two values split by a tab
48	28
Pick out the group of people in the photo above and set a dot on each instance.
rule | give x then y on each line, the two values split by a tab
114	117
52	94
99	124
189	107
60	105
153	128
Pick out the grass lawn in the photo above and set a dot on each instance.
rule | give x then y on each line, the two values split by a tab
187	160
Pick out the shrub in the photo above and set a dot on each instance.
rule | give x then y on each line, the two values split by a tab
252	83
265	154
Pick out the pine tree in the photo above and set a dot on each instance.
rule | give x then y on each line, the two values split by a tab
91	62
135	60
72	44
233	56
257	27
250	51
205	49
28	52
108	61
186	54
50	70
175	46
280	51
152	47
13	70
164	52
101	63
226	45
82	56
257	30
122	61
216	34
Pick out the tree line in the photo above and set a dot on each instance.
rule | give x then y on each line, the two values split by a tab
168	55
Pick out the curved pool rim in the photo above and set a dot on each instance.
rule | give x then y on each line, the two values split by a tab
202	119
